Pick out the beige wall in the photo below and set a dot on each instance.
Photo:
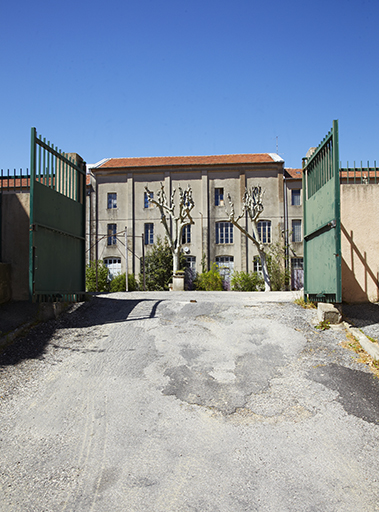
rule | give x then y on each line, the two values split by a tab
15	241
129	184
360	242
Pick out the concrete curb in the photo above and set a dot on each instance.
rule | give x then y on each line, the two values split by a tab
371	348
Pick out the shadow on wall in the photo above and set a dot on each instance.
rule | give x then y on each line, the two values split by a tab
15	241
359	281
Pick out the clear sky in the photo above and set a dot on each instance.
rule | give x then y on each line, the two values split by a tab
176	77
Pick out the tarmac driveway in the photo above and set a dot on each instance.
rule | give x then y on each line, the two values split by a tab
187	402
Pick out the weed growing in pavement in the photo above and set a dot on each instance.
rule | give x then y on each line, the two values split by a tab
324	325
306	304
353	344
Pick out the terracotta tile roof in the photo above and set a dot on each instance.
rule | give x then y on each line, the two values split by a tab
14	183
294	173
357	173
164	161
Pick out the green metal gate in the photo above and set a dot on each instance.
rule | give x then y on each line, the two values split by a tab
57	224
322	222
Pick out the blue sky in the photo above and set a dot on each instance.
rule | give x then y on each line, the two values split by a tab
175	77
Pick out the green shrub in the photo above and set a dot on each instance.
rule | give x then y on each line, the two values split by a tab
132	283
102	277
247	282
118	283
279	275
209	281
158	266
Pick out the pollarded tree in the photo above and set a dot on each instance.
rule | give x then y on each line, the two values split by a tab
252	205
180	217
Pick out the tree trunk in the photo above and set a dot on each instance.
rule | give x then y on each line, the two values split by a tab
266	277
175	258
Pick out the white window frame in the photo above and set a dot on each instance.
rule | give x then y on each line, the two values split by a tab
257	265
264	231
224	233
114	267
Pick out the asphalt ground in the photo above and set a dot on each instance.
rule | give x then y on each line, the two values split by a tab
187	402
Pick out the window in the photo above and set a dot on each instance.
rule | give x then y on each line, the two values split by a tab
224	233
297	263
149	233
114	266
264	231
147	203
112	201
186	234
295	197
219	197
191	262
257	265
296	231
112	230
225	265
225	269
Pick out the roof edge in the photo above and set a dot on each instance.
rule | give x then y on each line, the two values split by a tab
276	157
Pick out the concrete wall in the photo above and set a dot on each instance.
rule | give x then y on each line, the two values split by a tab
15	241
360	242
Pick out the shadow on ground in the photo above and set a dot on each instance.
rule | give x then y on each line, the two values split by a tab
98	311
361	315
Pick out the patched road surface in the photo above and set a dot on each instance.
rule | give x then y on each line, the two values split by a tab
187	402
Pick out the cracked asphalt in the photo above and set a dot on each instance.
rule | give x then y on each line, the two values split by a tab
195	401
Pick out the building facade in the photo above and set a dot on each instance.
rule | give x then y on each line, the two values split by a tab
117	200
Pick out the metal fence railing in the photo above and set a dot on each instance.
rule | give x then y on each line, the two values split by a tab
14	181
359	175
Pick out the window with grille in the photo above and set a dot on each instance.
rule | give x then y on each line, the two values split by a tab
149	233
111	231
114	266
186	234
297	263
296	231
224	233
112	200
219	197
295	197
264	231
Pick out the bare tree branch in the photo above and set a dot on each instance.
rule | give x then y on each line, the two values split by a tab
252	203
183	218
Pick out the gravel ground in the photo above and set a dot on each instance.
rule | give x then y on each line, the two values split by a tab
125	405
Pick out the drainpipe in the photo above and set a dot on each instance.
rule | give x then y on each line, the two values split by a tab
286	257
